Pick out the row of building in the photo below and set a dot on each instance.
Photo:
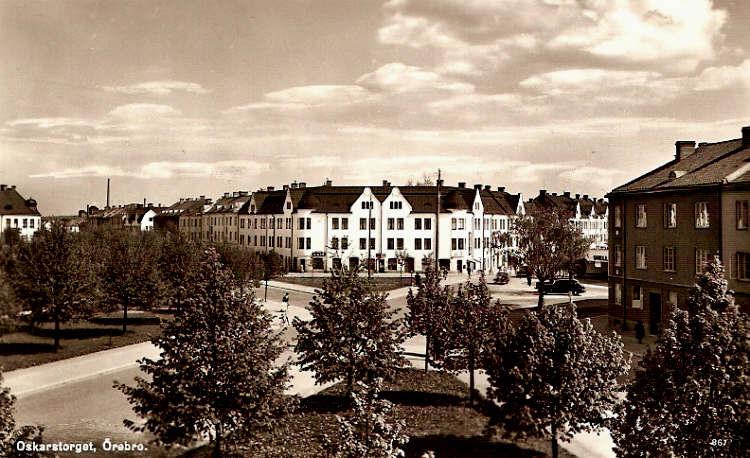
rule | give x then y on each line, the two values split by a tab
316	228
666	224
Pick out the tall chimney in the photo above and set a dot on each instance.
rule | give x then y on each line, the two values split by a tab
487	187
683	149
542	192
301	184
107	192
144	201
746	136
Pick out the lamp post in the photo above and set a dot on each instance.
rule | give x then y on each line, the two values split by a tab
369	229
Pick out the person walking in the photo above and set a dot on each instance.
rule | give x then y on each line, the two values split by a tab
640	331
285	308
468	269
445	274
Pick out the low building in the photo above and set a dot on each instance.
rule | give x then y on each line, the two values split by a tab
666	224
18	213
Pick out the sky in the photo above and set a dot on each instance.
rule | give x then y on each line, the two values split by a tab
176	99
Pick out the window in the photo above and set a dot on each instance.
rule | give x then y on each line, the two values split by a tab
263	223
417	244
31	221
742	263
742	215
400	224
640	215
461	223
397	205
242	223
255	223
362	243
399	244
427	224
278	241
618	294
461	243
300	224
701	215
334	223
701	258
362	224
344	243
427	244
640	257
309	244
255	240
453	224
309	223
391	223
372	243
300	243
345	223
262	240
670	215
618	255
454	244
288	205
418	224
390	244
372	223
25	223
367	205
669	263
637	302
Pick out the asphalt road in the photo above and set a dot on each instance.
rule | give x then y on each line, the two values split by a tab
91	410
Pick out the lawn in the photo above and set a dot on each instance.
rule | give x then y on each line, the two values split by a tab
433	406
21	348
381	283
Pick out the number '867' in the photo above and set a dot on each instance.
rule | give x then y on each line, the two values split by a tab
719	442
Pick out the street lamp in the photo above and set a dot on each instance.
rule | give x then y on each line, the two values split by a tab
369	229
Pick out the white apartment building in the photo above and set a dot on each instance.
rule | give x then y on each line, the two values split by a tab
589	215
18	213
395	227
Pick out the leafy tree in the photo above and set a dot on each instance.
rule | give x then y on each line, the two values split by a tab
471	320
244	264
9	435
352	333
11	236
130	272
179	262
216	377
428	310
273	267
554	375
55	275
368	433
691	395
547	244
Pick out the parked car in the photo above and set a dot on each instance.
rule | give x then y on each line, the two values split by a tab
502	278
564	286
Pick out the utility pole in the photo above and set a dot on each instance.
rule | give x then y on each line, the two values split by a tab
369	229
437	225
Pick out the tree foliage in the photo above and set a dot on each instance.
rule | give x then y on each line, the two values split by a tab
368	432
9	435
130	271
547	244
56	276
352	333
554	374
179	261
471	321
216	377
691	395
428	309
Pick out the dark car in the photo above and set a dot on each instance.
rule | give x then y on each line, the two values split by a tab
564	286
502	278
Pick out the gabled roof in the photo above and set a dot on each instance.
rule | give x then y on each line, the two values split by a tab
710	164
11	203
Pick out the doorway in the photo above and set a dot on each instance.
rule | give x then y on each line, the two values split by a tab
654	307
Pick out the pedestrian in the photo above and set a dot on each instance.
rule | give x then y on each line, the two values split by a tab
468	269
285	308
417	279
445	274
528	279
640	331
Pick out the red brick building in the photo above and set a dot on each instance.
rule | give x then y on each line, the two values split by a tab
664	225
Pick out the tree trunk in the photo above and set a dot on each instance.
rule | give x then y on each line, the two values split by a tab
124	318
554	441
471	378
426	353
540	304
217	443
265	293
349	382
57	332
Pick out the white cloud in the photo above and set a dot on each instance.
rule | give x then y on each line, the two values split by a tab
87	171
165	87
143	111
713	78
164	170
47	123
397	77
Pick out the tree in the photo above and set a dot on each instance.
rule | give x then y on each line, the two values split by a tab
547	244
245	265
554	375
368	433
691	395
273	267
9	435
216	377
179	261
472	318
55	275
428	310
130	273
352	333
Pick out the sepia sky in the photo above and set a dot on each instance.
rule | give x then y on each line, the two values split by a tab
180	98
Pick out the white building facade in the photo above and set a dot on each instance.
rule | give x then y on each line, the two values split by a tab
17	213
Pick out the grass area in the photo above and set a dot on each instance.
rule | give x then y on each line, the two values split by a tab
21	348
381	283
433	406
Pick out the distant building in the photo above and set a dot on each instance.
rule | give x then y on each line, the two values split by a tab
665	225
134	217
18	213
184	216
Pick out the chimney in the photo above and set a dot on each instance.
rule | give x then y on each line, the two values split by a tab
461	184
270	188
487	187
440	182
150	204
746	136
683	149
478	186
554	194
542	192
285	187
302	184
107	192
226	195
385	183
585	197
329	183
203	198
13	187
578	196
235	194
293	185
2	187
501	189
566	193
144	201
